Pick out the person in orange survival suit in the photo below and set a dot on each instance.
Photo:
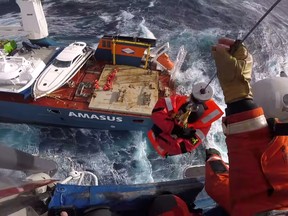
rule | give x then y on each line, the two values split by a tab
181	123
255	183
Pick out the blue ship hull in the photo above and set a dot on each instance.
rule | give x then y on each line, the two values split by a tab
13	112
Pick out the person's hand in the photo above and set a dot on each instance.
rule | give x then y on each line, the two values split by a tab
186	133
233	71
210	152
64	213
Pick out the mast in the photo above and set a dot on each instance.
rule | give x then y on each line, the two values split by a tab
34	22
33	19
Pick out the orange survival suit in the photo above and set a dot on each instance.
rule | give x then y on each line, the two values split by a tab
257	180
164	116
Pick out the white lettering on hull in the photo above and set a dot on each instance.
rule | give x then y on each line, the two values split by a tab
94	116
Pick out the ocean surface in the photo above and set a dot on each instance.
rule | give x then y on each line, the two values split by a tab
127	157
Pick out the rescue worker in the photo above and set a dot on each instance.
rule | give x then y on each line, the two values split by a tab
255	183
181	123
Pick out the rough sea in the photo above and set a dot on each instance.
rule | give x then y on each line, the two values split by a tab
126	157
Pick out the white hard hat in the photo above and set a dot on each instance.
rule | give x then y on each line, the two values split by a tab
272	95
202	96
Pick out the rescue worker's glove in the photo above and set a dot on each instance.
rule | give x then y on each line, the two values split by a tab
188	133
185	133
190	112
234	71
210	152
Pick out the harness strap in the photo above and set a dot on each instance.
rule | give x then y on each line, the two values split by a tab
183	147
204	105
281	129
157	131
158	109
278	129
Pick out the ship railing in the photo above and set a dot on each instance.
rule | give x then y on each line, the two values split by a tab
23	196
18	60
18	193
159	51
178	63
78	176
